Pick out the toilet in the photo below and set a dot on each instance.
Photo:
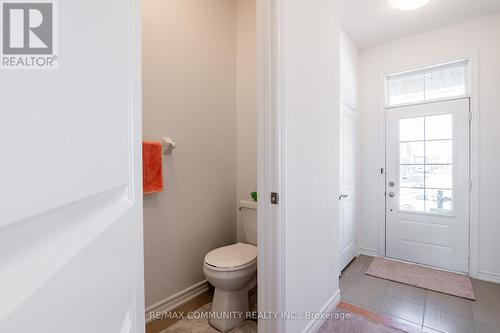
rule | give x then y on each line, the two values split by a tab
232	270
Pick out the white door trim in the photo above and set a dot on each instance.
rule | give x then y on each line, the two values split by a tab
135	190
270	169
473	67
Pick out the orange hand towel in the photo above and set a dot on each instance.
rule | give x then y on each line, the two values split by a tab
152	173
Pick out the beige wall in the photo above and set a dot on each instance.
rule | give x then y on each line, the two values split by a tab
246	99
189	57
199	68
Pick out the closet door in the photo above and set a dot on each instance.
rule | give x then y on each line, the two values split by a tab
347	218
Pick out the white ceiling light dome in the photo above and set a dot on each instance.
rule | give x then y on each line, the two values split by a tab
408	4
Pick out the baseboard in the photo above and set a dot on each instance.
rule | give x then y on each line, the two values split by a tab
488	276
173	302
368	252
332	303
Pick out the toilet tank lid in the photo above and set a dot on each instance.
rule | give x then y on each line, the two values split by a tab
232	256
248	203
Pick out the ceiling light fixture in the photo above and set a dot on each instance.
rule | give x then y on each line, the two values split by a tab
408	4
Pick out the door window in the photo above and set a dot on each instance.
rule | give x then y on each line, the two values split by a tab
426	84
426	164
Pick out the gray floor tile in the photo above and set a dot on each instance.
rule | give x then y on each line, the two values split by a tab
485	295
487	314
356	268
430	330
483	328
370	283
345	283
402	309
202	325
405	322
450	304
480	284
447	322
365	299
364	259
247	327
406	292
355	324
350	273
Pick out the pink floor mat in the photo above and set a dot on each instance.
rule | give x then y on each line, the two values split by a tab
423	277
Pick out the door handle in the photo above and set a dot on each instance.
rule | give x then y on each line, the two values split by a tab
391	194
343	196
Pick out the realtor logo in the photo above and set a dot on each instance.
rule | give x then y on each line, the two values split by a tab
28	31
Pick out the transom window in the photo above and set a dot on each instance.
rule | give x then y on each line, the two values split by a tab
426	164
441	81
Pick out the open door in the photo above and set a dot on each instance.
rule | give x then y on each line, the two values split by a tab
70	175
347	183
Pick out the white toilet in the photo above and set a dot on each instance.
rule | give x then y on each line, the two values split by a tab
232	270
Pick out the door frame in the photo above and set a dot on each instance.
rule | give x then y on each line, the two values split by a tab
270	168
474	167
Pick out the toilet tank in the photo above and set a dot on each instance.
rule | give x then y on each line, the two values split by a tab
248	211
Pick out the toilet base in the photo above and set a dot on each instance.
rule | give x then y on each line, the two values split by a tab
230	307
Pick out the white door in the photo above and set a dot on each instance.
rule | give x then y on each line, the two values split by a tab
70	179
348	129
427	184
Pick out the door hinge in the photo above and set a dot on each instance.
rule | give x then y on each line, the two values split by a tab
470	185
470	116
274	198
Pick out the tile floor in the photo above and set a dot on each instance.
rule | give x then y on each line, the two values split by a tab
355	324
427	310
202	325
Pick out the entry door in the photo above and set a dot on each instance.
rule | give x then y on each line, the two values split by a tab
70	179
427	184
348	129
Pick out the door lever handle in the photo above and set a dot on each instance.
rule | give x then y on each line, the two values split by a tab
343	196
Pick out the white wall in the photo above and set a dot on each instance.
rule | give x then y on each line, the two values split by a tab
349	71
311	132
189	57
457	40
246	102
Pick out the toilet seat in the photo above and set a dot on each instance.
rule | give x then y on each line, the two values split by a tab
233	257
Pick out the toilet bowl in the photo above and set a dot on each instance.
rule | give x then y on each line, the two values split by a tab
232	270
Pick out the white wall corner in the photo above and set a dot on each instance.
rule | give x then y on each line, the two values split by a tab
175	301
332	303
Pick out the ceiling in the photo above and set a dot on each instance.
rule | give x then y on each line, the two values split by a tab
374	22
